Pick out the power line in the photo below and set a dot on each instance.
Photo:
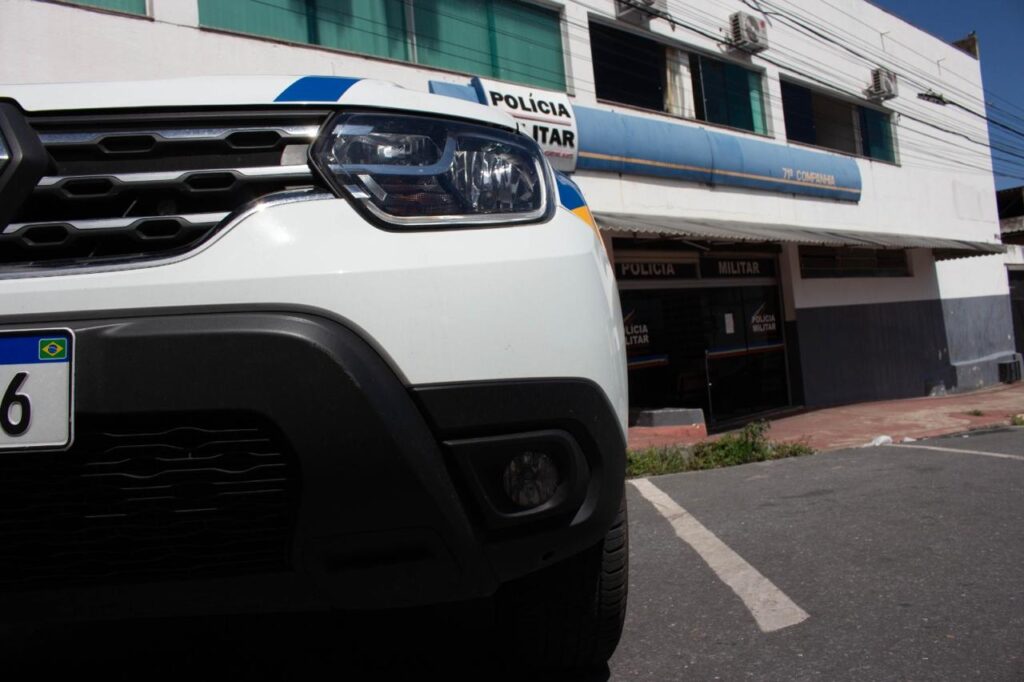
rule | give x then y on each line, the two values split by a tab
830	40
897	42
811	77
872	61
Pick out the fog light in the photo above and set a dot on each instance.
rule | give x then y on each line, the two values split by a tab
530	479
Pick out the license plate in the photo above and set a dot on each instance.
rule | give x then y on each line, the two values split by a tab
36	389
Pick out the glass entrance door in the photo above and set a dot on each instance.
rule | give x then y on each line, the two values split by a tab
746	359
720	349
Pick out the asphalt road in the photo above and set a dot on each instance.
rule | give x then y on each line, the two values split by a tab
906	563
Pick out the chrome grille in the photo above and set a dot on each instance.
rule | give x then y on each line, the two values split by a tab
129	187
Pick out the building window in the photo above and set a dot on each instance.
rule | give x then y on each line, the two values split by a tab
814	118
728	94
628	69
368	26
499	38
818	262
503	39
126	6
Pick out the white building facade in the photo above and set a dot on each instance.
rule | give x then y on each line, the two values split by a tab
786	228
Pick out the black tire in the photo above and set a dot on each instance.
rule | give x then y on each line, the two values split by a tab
570	615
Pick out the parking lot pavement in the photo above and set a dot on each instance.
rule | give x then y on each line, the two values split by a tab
908	561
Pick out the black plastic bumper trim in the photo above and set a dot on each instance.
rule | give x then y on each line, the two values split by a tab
576	406
482	463
381	520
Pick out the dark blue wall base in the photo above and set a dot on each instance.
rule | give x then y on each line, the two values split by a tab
902	350
980	335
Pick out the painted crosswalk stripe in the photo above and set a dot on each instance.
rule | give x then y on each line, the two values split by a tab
770	607
1000	455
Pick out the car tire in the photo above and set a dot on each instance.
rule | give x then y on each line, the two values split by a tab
570	615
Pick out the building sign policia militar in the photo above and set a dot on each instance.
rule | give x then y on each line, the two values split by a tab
655	270
545	115
737	267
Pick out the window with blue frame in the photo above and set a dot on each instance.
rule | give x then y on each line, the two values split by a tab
628	68
634	69
728	94
375	27
126	6
503	39
838	124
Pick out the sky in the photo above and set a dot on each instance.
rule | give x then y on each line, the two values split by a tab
1000	27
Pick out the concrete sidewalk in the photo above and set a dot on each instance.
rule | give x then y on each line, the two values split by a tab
853	425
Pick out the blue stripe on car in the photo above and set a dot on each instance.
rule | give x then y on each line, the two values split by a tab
569	195
316	89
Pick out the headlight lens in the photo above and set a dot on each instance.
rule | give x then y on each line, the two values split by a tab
414	171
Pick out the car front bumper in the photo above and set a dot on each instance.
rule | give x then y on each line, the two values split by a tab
235	460
369	369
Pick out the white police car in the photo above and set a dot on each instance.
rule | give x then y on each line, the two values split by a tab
337	343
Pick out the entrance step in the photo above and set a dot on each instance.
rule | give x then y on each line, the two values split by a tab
673	416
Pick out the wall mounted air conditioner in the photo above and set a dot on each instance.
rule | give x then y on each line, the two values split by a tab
883	85
749	33
640	11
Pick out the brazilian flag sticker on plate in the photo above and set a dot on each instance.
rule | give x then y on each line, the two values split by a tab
53	349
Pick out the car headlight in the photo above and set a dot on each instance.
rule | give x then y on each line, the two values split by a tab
424	172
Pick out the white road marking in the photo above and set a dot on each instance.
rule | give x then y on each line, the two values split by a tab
771	608
1000	455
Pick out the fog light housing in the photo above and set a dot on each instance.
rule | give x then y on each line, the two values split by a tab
523	477
530	479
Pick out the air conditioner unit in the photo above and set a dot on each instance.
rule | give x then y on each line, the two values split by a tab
640	11
883	85
749	33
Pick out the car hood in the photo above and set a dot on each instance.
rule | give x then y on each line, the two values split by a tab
244	91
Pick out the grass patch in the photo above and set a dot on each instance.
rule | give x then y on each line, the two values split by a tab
750	444
656	461
1017	420
976	413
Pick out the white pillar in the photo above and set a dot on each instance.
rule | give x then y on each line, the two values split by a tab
181	12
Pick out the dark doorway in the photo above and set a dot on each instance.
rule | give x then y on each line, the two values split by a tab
720	349
1017	306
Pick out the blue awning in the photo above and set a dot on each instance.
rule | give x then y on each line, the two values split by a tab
635	145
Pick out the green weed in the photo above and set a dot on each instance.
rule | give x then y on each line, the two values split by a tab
749	444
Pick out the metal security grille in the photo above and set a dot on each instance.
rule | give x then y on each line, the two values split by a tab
128	187
149	498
